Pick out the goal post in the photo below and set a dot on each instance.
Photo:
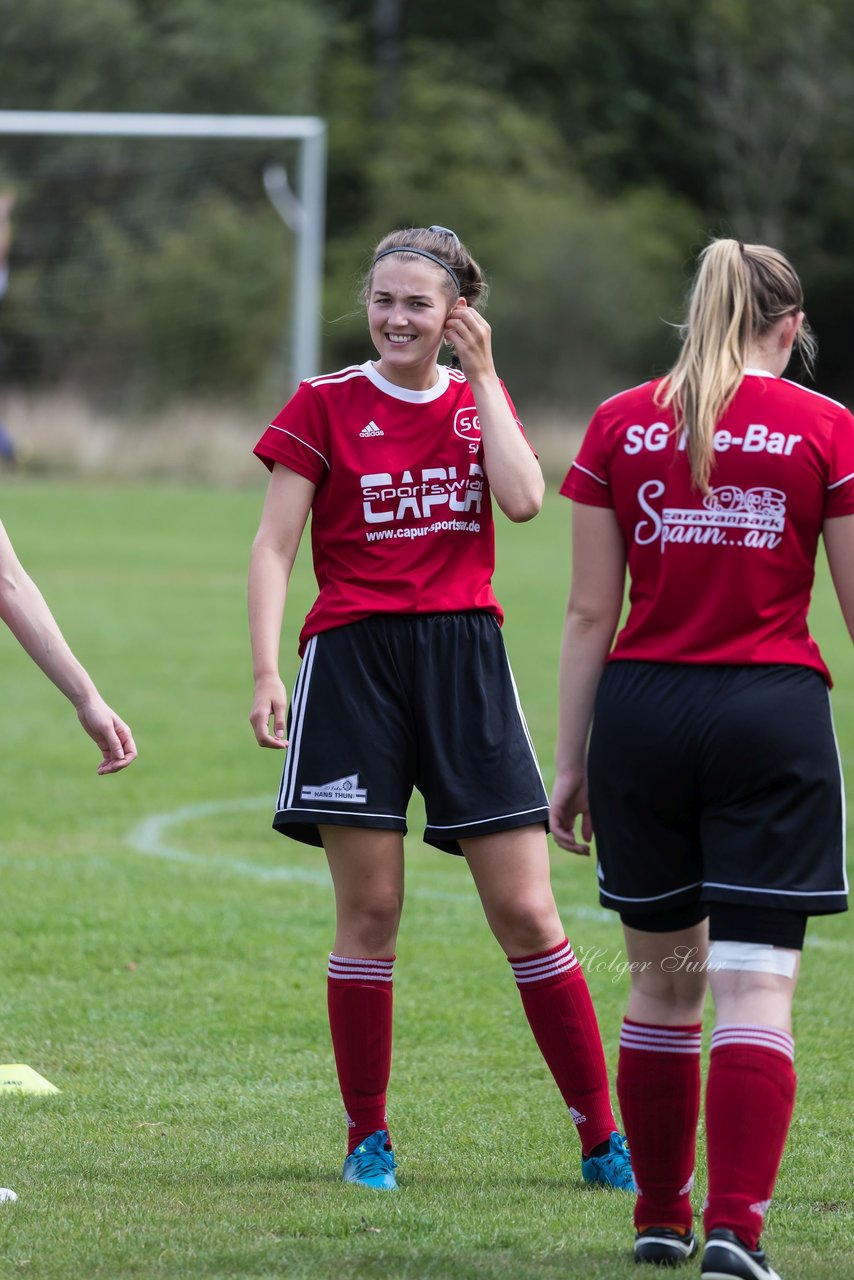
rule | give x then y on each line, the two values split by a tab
308	228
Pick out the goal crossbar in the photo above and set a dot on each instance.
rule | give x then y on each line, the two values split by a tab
308	131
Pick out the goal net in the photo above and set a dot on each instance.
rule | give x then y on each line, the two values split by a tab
157	265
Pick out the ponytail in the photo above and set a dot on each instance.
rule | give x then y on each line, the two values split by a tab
739	292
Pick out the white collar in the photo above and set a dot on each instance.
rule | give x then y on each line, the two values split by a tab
403	393
759	373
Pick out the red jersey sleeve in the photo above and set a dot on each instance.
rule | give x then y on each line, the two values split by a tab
298	436
839	498
587	479
517	419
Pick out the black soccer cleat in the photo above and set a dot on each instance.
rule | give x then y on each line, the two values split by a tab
664	1247
725	1257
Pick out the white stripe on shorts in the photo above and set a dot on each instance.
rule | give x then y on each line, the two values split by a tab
482	822
523	721
298	705
656	897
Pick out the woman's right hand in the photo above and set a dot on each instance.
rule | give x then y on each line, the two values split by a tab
270	703
568	803
109	732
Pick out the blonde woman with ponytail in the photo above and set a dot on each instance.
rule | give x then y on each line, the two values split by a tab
740	293
699	746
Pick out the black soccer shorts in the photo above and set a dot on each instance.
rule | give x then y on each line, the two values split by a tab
397	701
716	784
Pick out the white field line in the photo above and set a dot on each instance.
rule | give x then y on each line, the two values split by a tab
150	837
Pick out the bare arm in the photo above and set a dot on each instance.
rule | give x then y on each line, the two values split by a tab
595	601
511	468
286	508
839	544
25	613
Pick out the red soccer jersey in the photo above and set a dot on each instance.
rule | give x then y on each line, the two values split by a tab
724	578
401	517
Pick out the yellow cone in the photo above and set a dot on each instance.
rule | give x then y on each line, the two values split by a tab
17	1078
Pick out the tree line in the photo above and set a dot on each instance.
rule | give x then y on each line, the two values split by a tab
584	150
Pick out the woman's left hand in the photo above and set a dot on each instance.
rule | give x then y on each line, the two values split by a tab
471	338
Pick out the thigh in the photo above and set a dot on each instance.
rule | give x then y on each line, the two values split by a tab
364	864
512	876
773	814
644	801
477	767
367	875
351	759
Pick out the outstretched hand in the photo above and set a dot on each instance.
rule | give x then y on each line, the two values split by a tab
110	733
569	801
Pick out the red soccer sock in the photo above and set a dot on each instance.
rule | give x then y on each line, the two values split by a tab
658	1084
750	1097
560	1012
360	1008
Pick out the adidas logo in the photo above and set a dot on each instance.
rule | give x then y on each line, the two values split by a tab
371	430
578	1116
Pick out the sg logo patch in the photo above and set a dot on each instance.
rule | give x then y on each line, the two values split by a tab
467	426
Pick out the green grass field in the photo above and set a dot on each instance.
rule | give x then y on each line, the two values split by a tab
163	960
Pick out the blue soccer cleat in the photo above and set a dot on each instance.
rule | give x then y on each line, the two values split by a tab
372	1164
613	1169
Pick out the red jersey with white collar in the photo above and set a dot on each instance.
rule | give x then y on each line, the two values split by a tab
401	517
724	578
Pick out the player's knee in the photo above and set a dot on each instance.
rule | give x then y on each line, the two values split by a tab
373	923
526	925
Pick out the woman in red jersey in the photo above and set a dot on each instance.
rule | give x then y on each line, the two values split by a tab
404	680
712	776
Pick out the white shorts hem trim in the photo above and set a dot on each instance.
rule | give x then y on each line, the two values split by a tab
343	813
481	822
